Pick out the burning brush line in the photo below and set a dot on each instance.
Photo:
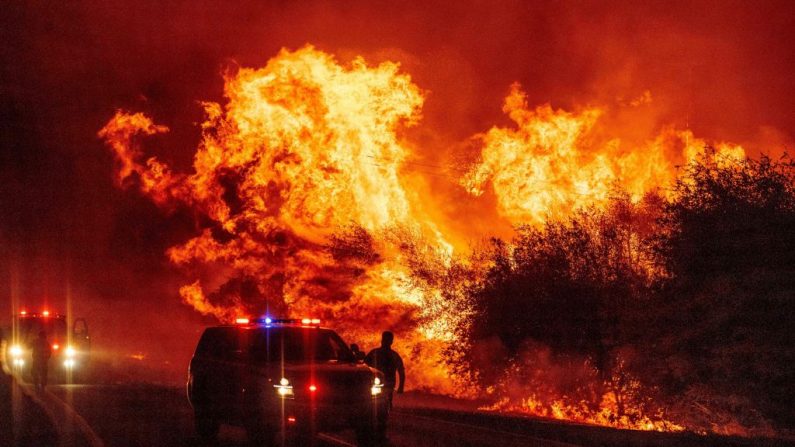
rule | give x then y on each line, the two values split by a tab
303	221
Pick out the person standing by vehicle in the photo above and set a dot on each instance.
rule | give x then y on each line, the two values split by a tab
388	362
41	352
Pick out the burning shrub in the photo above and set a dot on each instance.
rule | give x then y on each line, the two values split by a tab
552	326
666	314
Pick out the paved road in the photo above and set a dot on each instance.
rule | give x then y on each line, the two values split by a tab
152	415
142	415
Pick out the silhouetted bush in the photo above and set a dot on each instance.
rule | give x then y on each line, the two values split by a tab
693	297
727	314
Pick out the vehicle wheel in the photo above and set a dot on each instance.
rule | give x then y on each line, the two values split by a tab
206	426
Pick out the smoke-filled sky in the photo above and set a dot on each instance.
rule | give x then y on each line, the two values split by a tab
722	69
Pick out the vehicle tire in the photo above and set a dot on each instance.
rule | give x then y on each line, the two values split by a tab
206	425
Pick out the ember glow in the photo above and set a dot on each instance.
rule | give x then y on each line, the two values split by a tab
300	179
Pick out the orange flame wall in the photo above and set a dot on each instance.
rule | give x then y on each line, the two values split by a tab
306	149
553	162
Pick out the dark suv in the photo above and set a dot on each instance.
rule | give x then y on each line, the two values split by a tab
284	381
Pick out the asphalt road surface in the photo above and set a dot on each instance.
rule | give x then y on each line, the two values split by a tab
141	415
154	415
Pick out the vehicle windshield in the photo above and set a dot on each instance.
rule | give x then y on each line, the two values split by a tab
29	328
298	345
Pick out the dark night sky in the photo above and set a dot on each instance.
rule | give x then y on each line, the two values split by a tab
66	66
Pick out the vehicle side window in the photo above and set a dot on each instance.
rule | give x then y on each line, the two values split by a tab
341	352
298	345
221	343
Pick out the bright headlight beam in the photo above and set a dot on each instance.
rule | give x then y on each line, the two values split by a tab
283	388
377	387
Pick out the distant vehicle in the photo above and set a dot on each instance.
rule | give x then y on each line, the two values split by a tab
70	349
284	381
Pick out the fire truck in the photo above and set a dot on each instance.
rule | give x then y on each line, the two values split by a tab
70	343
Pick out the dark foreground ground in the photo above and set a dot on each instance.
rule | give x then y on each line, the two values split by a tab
146	414
119	407
23	420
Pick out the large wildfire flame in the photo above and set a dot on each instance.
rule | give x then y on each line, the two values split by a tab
554	163
299	181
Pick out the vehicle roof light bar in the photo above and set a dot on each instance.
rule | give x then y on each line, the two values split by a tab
302	321
44	314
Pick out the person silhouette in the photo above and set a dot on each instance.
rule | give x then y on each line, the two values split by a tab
41	352
388	362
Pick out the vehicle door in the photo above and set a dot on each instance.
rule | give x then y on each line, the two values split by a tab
218	375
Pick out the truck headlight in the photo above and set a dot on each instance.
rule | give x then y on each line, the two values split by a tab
377	387
284	388
69	363
70	352
16	351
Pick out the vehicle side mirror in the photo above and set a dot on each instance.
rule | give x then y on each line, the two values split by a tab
358	355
